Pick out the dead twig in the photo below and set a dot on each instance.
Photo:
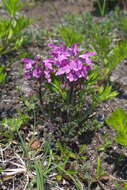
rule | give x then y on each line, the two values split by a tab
117	179
101	185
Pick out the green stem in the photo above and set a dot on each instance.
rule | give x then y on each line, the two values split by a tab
71	92
70	101
102	7
40	93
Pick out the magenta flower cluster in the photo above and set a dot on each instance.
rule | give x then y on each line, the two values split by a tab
33	68
63	60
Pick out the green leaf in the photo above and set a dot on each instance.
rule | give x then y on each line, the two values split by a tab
122	139
82	148
118	121
98	172
39	173
71	172
55	86
13	6
105	93
118	54
70	36
74	178
11	28
14	124
2	74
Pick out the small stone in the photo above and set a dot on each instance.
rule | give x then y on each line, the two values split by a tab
114	77
36	145
123	81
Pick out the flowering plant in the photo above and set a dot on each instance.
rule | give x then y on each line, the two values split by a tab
69	72
68	65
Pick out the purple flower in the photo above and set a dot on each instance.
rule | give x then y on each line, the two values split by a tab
33	68
85	56
68	62
76	65
74	49
28	63
64	61
48	63
27	75
37	72
72	76
48	75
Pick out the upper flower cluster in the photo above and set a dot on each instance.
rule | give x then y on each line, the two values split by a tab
69	61
63	60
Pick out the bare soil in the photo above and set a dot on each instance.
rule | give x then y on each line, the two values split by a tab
48	13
